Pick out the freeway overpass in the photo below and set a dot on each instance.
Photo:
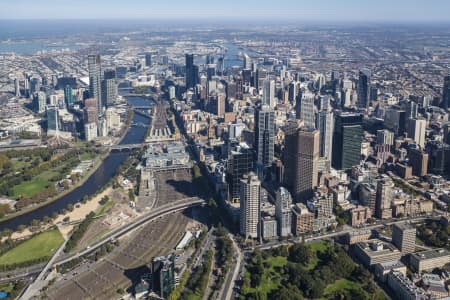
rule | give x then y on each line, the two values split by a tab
161	211
142	220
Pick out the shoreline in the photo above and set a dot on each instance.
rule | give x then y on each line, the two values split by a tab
99	160
98	163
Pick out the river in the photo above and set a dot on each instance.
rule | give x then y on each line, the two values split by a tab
98	179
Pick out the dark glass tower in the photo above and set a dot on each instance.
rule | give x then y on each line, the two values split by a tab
364	88
347	138
240	162
191	72
264	136
446	93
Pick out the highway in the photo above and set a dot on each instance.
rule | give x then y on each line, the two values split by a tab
115	234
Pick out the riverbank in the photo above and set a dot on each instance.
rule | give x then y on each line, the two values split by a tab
97	164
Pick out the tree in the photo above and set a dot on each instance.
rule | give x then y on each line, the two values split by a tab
300	253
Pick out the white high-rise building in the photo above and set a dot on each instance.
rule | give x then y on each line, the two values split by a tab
283	212
171	92
250	206
247	63
307	110
325	125
416	131
90	131
269	93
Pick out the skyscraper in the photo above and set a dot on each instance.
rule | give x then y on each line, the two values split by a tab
307	113
347	138
109	88
269	93
16	87
163	277
247	62
69	99
363	88
52	118
264	135
283	212
445	103
416	131
301	162
325	124
191	72
250	206
240	162
148	59
385	137
95	79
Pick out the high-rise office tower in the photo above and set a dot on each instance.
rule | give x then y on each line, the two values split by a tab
211	71
383	202
293	92
250	206
247	62
209	59
385	137
395	120
404	237
416	131
220	65
35	85
191	72
52	118
261	75
325	125
264	135
95	79
109	88
347	138
419	162
240	162
301	159
40	101
307	113
269	93
69	99
16	87
283	212
445	103
363	88
148	59
163	276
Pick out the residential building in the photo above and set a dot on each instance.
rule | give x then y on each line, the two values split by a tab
283	212
250	206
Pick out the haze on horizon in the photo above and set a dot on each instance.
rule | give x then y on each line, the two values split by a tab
273	11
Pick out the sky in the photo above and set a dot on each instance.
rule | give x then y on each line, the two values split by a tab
271	10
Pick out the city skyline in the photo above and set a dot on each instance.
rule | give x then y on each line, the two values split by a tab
281	11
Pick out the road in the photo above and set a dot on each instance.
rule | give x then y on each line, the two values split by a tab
157	213
40	280
232	276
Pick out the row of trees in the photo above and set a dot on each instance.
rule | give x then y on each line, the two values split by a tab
199	280
79	232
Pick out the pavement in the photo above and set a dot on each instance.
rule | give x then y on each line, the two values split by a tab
232	276
41	280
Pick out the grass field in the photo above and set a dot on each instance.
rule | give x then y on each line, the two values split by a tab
316	247
29	188
341	285
39	246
